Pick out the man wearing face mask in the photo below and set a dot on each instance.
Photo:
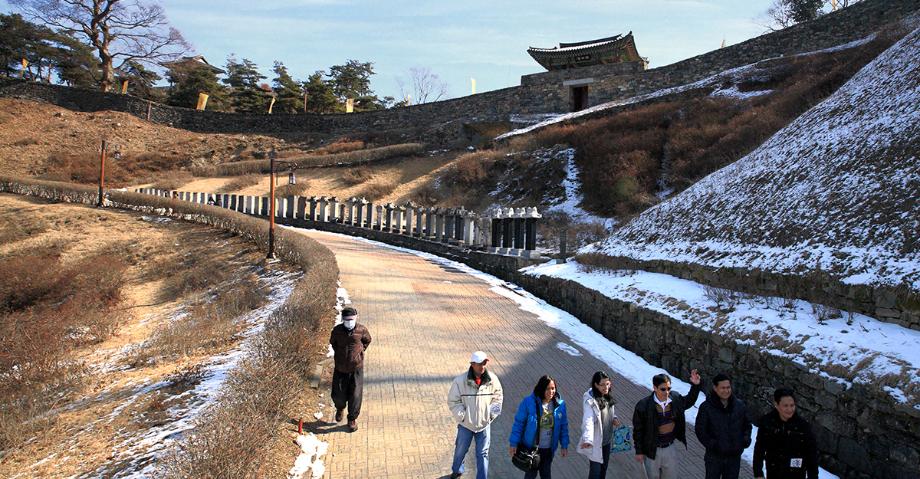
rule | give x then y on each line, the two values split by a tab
349	341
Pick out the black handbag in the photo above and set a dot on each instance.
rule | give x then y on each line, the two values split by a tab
528	459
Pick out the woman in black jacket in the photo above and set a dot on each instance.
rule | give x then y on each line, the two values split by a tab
785	442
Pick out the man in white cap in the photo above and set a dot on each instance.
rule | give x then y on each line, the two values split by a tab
475	400
349	341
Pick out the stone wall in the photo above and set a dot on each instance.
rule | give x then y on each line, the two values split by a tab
442	122
890	304
862	432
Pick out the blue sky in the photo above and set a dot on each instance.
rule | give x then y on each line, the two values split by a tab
456	40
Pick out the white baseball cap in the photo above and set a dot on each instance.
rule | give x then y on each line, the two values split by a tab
478	357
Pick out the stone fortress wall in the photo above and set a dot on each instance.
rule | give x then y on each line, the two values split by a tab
547	92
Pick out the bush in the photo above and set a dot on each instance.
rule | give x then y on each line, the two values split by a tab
355	176
172	180
240	183
291	190
376	191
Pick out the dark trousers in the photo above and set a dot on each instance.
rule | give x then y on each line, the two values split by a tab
722	467
598	470
347	389
546	465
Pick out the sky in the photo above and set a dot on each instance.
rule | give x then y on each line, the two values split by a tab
456	40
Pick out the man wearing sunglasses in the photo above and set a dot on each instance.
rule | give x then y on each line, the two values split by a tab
658	421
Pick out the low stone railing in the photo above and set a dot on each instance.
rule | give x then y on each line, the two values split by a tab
504	231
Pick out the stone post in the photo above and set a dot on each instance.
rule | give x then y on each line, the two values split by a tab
530	232
496	226
429	222
438	224
460	226
380	211
263	201
231	202
314	207
350	213
449	224
399	212
410	218
322	209
368	213
483	230
301	207
290	207
333	209
518	232
419	226
507	231
470	220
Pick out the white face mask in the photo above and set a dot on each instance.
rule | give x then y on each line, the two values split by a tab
349	324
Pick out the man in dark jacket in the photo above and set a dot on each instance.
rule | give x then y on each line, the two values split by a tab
785	441
349	341
658	421
723	427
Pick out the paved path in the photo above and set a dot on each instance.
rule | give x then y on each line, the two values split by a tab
425	319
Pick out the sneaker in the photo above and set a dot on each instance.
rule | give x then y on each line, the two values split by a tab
339	414
455	475
352	426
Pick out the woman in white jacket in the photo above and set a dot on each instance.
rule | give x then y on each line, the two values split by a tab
597	425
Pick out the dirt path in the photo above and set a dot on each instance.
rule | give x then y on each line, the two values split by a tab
425	319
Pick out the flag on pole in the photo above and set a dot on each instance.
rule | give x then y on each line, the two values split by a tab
124	87
473	85
270	105
834	5
202	101
25	64
723	43
350	105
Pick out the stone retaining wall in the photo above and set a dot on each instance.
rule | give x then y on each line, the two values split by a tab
890	304
862	432
442	122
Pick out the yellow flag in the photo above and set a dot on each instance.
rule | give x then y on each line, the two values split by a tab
202	101
124	87
834	5
350	105
270	105
25	64
723	43
473	85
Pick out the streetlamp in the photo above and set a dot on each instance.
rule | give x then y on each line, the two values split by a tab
292	180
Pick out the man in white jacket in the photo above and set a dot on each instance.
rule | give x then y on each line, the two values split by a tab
475	400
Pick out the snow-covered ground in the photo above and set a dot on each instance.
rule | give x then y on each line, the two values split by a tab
619	359
836	190
862	346
573	197
136	453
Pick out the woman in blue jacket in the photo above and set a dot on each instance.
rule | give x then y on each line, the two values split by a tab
543	413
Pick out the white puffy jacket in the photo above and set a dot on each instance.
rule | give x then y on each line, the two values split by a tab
592	431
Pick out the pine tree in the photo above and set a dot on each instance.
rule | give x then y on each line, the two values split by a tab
320	95
188	82
245	94
353	80
289	93
140	80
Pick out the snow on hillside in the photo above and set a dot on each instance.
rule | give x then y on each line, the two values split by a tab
865	348
836	190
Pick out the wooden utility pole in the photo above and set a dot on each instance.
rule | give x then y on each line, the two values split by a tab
271	205
101	173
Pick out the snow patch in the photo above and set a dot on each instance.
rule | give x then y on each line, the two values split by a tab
310	458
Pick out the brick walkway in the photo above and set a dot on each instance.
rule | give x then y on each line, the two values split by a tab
420	315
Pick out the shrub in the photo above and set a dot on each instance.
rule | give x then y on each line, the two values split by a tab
240	183
355	176
172	180
291	190
376	191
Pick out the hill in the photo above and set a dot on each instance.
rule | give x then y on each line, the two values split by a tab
836	190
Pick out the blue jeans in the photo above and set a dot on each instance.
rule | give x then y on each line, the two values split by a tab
599	470
462	445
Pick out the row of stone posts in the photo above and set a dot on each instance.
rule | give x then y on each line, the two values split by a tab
508	231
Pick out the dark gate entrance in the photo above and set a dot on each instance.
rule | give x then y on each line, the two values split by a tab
579	98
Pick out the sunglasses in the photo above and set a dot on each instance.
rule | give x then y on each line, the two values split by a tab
664	389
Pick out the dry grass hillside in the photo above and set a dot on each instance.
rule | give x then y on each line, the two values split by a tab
109	326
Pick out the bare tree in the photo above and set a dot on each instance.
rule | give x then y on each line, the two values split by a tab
424	86
120	31
786	13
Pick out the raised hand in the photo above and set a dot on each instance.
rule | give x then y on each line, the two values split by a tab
695	377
